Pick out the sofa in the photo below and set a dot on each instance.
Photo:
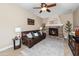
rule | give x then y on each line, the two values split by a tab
30	38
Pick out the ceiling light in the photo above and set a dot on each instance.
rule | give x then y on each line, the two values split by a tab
43	9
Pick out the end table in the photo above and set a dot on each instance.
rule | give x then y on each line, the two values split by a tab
17	43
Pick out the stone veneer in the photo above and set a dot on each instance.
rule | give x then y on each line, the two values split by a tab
60	30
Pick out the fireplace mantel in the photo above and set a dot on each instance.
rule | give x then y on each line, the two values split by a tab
54	25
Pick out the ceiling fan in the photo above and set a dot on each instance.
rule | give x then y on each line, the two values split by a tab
44	7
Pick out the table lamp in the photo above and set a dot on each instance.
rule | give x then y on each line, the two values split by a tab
18	32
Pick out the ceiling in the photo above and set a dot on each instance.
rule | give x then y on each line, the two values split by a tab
60	8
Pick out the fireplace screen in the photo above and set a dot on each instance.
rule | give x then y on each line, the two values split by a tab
53	31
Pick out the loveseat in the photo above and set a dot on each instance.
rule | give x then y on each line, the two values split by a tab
30	38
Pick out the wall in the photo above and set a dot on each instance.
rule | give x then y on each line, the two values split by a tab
64	18
76	17
52	20
12	16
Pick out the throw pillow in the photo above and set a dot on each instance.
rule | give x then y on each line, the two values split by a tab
36	34
29	35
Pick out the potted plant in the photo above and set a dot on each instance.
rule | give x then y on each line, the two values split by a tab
68	28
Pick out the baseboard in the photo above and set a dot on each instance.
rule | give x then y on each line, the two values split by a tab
5	48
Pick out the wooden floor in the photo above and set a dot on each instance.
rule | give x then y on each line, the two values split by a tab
67	51
12	52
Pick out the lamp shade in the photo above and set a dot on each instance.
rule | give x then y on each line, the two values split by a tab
17	29
44	9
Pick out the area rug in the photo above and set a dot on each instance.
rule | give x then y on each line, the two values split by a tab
46	47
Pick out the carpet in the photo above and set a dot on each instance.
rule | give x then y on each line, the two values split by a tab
46	47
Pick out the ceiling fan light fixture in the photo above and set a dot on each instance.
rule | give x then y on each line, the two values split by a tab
44	9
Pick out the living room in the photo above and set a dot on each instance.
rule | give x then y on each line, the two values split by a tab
25	17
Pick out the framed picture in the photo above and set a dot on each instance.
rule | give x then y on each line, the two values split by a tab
30	21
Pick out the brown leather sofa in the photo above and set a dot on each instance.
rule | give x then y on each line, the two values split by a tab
35	39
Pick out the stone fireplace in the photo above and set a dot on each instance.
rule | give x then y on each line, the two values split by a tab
53	31
54	26
56	31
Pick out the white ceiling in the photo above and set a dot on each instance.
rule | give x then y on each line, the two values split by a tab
58	9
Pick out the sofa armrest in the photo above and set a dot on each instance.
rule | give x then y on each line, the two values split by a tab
44	35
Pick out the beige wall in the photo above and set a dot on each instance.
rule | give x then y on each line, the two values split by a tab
54	18
12	16
76	17
64	18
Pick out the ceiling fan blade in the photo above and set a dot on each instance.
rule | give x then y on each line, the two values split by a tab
40	11
48	10
51	5
37	8
42	5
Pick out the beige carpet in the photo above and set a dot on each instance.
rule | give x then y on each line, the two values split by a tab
50	46
47	47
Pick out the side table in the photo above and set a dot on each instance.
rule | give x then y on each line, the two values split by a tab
17	43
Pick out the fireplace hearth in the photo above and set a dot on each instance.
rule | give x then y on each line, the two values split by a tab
53	31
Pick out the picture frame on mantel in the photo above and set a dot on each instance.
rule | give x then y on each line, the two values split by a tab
30	21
